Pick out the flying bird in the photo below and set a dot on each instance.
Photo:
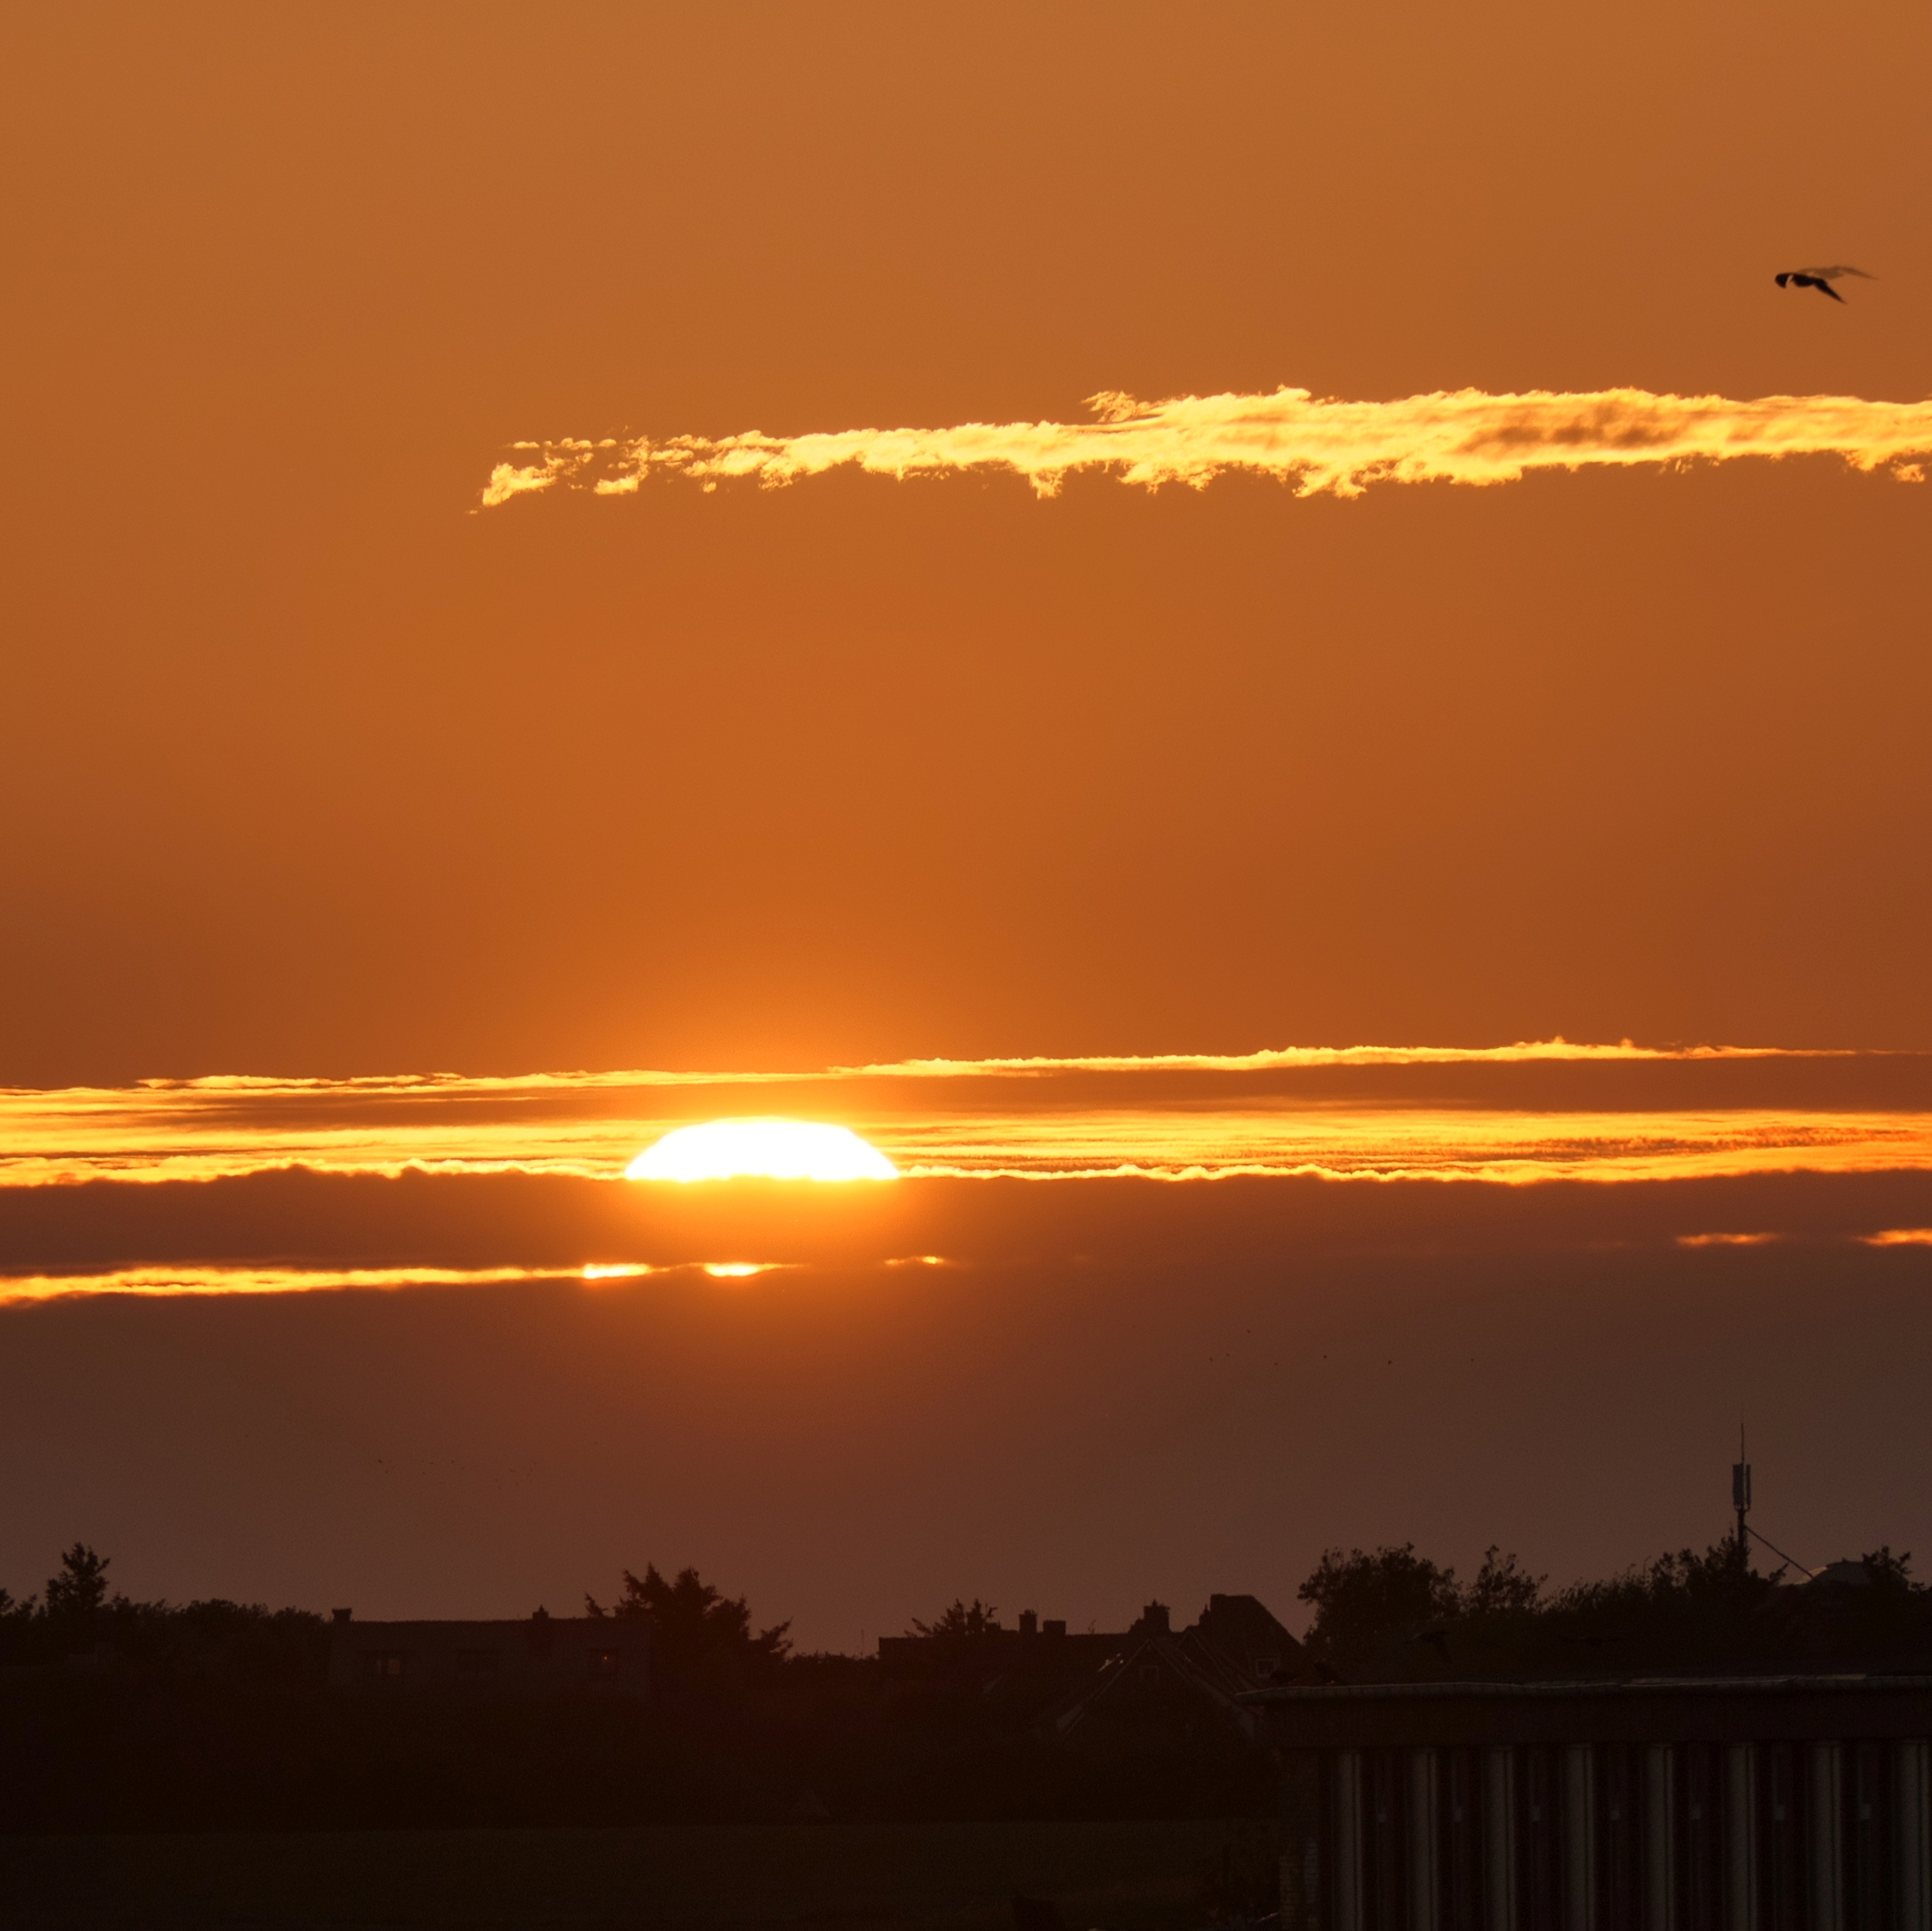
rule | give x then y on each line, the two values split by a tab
1821	279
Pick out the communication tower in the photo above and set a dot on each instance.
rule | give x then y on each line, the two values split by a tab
1741	1488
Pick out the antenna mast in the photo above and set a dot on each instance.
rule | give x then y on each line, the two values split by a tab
1741	1497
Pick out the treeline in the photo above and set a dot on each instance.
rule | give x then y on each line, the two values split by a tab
120	1715
80	1622
1393	1615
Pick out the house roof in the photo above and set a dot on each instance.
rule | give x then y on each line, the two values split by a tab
1235	1648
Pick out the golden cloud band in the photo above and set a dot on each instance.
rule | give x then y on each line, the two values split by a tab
1319	446
1033	1120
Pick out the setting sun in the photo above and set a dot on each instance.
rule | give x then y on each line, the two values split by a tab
777	1149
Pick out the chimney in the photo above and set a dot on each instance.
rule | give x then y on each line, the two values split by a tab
341	1615
1154	1619
1029	1624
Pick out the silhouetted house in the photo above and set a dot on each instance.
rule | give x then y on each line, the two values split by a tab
1845	1574
1713	1803
1035	1651
1158	1678
541	1657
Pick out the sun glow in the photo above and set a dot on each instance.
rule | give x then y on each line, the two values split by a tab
1353	1113
775	1149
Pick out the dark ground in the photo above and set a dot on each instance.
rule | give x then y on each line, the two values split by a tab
874	1877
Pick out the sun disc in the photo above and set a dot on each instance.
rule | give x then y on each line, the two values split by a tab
773	1150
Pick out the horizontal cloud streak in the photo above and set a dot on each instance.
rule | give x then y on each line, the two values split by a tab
985	1230
1046	1128
1558	1051
1320	445
171	1281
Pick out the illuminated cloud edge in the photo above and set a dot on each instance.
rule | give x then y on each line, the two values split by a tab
1319	445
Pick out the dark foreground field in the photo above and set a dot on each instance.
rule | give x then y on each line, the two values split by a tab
886	1877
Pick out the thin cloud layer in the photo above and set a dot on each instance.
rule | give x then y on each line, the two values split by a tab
1319	445
167	1283
1537	1111
295	1233
171	1282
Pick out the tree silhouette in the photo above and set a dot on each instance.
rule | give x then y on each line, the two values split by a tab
1680	1581
1501	1587
693	1623
1361	1600
80	1589
1890	1574
960	1622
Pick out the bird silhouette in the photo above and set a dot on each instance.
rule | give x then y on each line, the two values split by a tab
1821	279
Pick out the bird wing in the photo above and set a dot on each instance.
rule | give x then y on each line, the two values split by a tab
1832	273
1826	288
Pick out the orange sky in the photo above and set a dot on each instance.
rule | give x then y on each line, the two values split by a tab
309	770
1118	1390
1517	1115
314	768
